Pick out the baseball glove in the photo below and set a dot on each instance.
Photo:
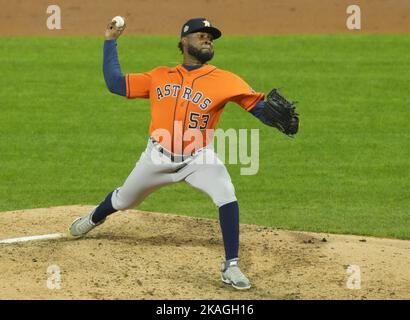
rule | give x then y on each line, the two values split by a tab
281	113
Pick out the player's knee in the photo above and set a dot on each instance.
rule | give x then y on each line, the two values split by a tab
225	194
121	201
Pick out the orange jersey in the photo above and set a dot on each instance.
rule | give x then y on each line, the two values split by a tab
186	105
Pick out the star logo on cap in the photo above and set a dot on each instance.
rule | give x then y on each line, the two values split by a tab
206	23
186	28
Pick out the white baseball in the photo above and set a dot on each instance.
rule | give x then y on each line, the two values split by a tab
119	21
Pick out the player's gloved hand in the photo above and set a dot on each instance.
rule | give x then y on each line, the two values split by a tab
112	32
281	113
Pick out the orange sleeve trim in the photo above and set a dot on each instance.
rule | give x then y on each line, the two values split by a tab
255	102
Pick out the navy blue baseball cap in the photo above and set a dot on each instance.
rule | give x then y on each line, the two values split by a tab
200	25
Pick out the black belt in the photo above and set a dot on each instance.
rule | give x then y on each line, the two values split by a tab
172	156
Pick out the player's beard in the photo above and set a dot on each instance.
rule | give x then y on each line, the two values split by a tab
200	55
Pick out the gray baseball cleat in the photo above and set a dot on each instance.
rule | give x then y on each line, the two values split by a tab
83	225
231	274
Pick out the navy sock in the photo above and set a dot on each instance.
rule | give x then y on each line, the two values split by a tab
229	221
103	210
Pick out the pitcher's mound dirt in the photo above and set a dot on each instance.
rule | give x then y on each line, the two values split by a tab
143	255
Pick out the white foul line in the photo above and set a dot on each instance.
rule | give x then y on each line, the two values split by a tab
33	238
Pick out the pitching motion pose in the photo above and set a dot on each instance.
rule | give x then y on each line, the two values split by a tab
186	102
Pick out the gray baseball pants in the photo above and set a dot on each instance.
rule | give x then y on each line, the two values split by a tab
203	171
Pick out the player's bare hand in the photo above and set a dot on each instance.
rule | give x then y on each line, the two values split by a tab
112	32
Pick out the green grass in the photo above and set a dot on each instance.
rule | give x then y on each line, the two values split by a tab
65	140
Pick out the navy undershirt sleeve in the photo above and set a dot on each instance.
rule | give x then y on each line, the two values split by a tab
257	112
113	76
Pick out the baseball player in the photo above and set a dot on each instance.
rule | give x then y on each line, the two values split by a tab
186	103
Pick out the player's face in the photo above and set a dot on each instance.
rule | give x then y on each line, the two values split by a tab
200	45
201	41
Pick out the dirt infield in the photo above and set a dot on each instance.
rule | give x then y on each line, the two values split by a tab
84	17
141	255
